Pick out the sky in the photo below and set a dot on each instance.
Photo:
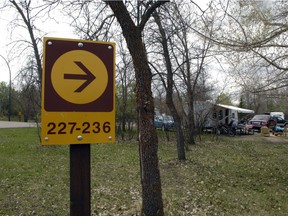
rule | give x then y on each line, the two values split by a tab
53	29
61	29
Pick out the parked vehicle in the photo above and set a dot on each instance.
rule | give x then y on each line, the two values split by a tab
164	122
280	121
279	114
259	121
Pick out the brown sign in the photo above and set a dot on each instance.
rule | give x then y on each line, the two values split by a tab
78	92
78	76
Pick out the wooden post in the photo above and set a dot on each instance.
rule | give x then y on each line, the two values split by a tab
80	183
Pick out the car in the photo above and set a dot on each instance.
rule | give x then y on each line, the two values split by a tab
165	122
261	120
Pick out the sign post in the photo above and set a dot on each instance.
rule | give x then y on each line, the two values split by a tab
78	106
80	184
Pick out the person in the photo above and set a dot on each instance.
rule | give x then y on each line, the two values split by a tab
277	130
233	123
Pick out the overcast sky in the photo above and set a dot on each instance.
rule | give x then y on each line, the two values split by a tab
53	29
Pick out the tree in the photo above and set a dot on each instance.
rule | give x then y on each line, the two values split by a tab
190	54
152	203
29	102
29	13
91	20
252	36
169	88
224	99
126	114
27	49
7	100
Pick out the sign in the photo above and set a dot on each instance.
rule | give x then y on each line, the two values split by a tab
78	92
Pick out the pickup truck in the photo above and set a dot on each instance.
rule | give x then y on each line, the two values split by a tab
261	120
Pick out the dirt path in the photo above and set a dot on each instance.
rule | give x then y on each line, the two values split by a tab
272	138
277	139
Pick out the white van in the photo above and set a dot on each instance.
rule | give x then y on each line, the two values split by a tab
280	114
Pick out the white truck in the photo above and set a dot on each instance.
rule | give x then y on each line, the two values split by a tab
279	114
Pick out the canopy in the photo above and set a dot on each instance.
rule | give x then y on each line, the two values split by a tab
238	109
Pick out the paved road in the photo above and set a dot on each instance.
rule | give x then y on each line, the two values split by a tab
11	124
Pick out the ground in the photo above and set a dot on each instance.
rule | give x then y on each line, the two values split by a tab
272	138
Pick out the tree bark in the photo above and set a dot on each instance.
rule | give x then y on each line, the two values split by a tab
152	203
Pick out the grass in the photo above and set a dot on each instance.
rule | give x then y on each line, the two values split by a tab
224	176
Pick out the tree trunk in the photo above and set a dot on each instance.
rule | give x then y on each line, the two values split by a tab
191	121
169	91
152	203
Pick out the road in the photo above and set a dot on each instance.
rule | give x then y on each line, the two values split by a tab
11	124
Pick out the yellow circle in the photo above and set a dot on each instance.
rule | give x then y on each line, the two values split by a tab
68	65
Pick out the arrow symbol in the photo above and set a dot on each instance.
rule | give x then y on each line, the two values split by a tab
88	76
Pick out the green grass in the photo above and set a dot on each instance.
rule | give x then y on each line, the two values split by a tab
224	176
